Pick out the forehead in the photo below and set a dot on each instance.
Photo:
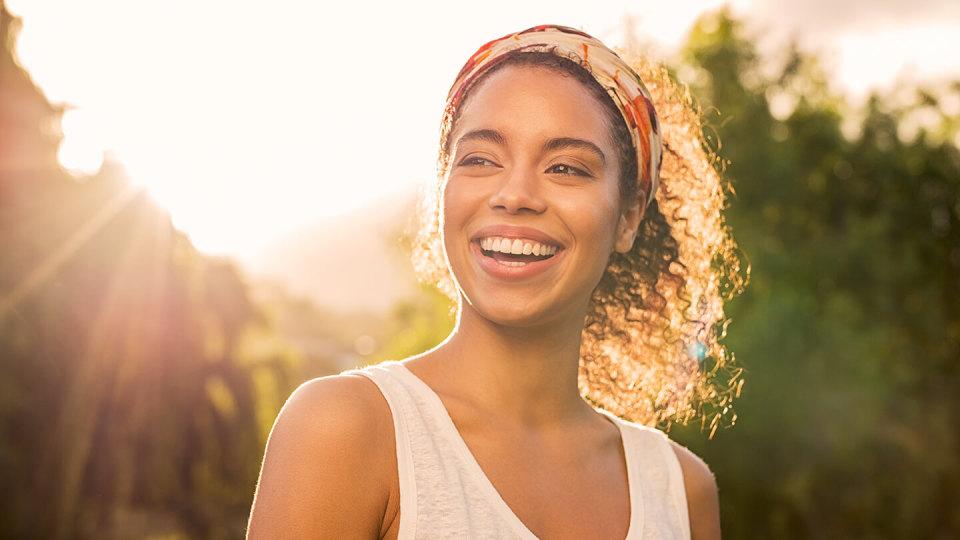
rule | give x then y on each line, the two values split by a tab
534	102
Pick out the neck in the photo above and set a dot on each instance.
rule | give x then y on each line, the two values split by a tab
525	375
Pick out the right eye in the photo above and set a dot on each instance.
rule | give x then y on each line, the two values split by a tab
473	160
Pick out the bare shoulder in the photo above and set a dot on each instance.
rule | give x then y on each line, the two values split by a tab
703	501
348	406
326	463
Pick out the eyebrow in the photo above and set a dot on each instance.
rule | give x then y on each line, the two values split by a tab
557	143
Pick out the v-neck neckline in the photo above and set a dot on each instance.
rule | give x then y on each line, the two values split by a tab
490	491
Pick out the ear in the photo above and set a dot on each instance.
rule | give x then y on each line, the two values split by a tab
628	226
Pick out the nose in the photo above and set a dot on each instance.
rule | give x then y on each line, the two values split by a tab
517	191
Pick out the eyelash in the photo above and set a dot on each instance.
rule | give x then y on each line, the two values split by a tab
467	162
578	171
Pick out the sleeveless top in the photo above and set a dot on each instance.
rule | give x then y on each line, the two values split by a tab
445	494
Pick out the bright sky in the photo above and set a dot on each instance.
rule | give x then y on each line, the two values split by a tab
247	120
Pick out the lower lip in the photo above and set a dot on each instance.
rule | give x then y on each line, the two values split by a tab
502	271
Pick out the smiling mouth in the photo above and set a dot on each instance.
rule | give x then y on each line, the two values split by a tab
512	259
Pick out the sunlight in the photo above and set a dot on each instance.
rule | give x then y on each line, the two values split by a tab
880	58
68	248
247	123
81	151
272	125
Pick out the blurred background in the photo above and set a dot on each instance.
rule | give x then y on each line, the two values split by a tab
203	205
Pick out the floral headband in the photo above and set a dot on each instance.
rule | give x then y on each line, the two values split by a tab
607	68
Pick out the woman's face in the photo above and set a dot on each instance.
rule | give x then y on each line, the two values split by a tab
532	163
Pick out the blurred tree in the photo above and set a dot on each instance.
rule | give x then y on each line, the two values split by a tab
128	405
848	332
417	324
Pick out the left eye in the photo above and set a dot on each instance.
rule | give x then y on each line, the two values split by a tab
569	170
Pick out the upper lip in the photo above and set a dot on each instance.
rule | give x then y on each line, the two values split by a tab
515	231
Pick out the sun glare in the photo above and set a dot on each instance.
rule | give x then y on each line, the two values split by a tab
81	150
878	59
246	124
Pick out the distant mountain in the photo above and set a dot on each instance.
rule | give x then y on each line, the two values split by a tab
351	262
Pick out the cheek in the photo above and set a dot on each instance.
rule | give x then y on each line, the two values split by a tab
457	203
452	203
593	225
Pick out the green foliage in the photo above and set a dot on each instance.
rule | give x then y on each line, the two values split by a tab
417	324
848	331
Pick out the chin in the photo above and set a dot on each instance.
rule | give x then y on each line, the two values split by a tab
509	310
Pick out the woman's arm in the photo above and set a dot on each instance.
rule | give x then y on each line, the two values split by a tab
323	471
703	501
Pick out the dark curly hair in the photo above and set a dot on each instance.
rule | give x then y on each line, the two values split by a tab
650	349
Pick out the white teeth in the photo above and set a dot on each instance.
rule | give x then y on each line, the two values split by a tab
516	246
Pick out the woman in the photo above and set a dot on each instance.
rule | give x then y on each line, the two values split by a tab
586	290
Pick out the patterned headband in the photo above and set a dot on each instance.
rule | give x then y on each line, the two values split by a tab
607	68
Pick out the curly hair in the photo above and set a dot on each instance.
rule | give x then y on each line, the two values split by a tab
650	348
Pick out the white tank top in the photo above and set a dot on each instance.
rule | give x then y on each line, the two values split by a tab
445	494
